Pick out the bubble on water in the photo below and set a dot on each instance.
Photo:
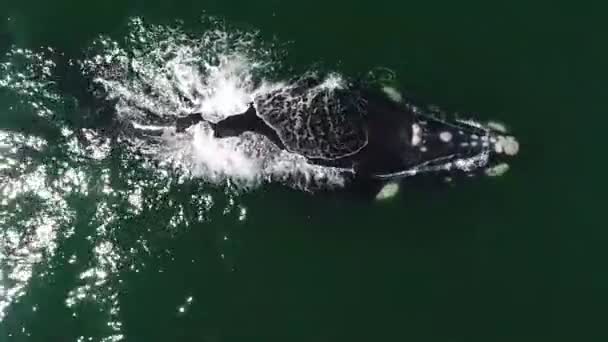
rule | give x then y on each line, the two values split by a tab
28	74
32	214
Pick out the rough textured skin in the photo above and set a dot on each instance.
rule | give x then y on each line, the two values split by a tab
316	120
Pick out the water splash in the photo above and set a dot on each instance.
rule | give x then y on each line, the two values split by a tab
160	73
29	75
124	176
32	214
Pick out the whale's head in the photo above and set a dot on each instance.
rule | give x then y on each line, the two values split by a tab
454	147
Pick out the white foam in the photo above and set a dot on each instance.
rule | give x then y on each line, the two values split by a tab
219	159
333	81
212	75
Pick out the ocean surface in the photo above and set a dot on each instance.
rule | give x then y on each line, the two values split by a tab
110	235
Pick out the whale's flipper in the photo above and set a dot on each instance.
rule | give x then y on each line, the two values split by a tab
184	122
389	190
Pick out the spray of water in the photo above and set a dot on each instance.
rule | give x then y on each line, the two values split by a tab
160	73
152	76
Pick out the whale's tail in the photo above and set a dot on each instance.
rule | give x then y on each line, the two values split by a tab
233	125
184	122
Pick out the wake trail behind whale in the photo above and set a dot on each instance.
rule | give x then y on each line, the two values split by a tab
161	73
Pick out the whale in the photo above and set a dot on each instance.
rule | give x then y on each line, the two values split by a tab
403	139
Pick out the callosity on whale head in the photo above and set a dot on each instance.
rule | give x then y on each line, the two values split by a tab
455	147
450	149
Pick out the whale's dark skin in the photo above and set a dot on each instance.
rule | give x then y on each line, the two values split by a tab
392	147
389	130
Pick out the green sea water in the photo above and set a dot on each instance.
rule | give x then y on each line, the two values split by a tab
97	244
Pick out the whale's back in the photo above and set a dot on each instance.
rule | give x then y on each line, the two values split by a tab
315	120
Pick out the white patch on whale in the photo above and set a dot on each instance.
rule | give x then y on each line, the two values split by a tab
416	134
507	145
389	190
497	126
497	170
498	148
446	137
392	93
463	164
472	123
